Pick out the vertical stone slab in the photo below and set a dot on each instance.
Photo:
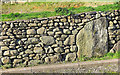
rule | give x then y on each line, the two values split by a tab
92	40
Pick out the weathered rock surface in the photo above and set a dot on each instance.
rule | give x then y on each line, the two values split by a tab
116	47
70	57
41	30
5	60
31	31
92	40
47	40
38	50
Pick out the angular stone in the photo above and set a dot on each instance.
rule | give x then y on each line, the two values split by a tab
70	40
92	40
31	31
13	52
58	33
38	50
47	60
32	24
63	37
116	46
50	33
70	57
47	40
37	57
5	60
34	62
4	48
6	53
33	40
16	61
28	51
48	49
55	58
41	30
74	32
66	31
73	48
59	50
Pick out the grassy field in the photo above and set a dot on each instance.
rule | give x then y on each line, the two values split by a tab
45	6
66	8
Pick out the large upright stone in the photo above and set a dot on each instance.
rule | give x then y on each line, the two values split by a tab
47	40
92	40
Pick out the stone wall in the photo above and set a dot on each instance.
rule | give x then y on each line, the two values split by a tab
59	38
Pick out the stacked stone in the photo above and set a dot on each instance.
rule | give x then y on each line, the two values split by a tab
46	40
113	27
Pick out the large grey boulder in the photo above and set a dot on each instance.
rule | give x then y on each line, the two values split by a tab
47	40
92	40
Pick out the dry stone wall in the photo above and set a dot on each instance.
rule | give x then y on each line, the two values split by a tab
54	39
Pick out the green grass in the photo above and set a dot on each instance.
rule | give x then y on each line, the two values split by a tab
105	57
62	11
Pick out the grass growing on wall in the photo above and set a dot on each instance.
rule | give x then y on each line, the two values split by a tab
105	57
58	11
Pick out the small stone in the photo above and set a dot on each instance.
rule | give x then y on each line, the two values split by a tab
111	23
56	29
63	37
66	31
74	32
25	55
31	55
59	50
73	48
38	50
31	31
115	22
30	46
70	40
70	57
58	33
36	57
5	60
55	58
16	61
13	52
41	30
33	40
32	24
47	60
4	48
97	15
54	45
6	53
112	51
67	51
50	33
28	51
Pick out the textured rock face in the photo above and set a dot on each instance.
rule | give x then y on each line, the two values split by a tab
116	47
70	57
60	38
47	40
92	40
